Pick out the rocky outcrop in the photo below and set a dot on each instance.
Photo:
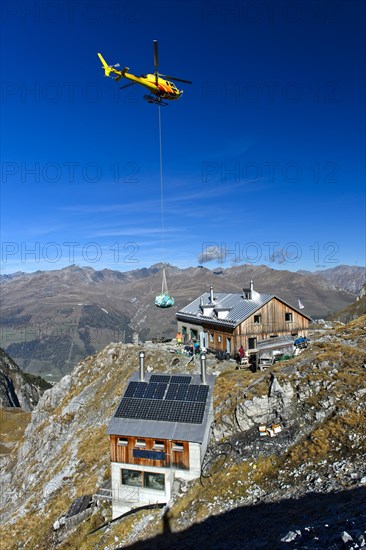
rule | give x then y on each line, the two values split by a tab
278	406
17	388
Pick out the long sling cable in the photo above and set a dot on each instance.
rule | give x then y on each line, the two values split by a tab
164	287
164	300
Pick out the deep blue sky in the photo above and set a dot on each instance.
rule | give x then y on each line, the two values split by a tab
263	156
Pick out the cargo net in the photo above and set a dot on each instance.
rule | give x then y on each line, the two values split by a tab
164	299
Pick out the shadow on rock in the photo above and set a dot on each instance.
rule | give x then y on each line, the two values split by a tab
316	520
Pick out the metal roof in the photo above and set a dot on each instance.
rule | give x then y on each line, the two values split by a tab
126	424
240	308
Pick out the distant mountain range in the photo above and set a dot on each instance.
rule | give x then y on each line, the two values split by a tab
50	320
345	277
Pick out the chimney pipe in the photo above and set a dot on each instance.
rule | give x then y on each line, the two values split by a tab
203	368
142	363
211	294
201	301
251	286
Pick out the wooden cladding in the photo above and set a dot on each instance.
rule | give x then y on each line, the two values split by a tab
147	451
274	318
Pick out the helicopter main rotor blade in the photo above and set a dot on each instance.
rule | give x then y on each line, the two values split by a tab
127	85
175	78
156	58
156	61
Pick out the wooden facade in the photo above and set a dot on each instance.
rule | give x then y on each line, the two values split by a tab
145	451
275	318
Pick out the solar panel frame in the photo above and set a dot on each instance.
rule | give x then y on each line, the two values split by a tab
171	391
160	391
131	388
181	392
202	394
192	392
141	389
180	379
165	378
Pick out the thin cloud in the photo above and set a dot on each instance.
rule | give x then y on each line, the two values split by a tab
211	254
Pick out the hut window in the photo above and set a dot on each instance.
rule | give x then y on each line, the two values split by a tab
159	445
122	441
177	446
257	319
132	477
252	343
154	481
288	317
219	338
140	443
211	337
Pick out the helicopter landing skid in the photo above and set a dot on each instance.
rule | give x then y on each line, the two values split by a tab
155	100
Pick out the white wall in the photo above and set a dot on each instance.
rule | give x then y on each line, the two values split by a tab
125	497
194	464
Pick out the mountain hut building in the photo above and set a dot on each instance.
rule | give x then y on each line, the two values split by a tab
158	433
224	322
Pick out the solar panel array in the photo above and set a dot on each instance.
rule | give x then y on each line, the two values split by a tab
163	410
164	398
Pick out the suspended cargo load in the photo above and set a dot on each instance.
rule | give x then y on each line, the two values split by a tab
164	299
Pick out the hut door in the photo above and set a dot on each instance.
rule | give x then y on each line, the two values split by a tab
228	345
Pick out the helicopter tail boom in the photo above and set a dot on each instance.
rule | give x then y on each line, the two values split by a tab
108	69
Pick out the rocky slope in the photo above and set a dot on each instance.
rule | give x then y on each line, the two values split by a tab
362	292
51	320
17	388
304	488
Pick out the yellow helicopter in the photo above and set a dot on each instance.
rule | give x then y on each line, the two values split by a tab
159	85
